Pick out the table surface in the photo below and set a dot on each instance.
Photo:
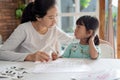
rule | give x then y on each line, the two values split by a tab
100	69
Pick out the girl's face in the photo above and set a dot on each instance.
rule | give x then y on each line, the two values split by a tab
81	32
50	18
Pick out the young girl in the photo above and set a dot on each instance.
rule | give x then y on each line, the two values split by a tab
85	32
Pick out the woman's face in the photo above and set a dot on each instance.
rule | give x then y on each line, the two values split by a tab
80	32
50	18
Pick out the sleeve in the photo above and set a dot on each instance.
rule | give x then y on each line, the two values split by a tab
67	52
63	37
7	51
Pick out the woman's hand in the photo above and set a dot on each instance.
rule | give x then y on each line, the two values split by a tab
54	56
38	56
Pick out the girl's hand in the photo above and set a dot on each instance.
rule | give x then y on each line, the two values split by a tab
38	56
91	39
54	56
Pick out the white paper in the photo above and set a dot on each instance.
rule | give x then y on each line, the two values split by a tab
62	65
107	74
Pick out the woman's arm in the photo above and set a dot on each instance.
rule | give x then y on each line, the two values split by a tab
7	51
63	37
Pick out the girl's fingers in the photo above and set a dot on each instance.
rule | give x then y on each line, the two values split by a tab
54	56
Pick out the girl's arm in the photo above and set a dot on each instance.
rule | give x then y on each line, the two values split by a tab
92	49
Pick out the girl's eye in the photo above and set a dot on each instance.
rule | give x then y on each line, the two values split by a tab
78	26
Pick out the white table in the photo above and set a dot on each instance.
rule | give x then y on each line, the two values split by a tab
102	67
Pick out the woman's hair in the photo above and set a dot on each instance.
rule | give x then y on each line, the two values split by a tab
38	8
90	23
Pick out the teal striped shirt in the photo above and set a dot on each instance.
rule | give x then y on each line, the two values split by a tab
77	50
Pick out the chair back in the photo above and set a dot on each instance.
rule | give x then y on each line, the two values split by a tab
106	51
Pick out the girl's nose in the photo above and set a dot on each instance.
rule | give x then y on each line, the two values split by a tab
75	29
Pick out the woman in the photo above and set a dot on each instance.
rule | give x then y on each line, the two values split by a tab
37	36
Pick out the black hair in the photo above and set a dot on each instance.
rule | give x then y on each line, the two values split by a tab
91	23
38	8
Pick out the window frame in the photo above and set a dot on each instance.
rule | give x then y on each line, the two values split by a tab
77	12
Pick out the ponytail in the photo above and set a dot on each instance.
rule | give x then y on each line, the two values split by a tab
96	40
28	14
38	8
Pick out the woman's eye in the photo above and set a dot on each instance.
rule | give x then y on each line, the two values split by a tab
51	17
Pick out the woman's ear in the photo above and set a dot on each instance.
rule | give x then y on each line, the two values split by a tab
38	19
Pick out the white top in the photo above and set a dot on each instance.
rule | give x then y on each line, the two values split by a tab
25	40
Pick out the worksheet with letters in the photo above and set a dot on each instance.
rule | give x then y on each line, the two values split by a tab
61	65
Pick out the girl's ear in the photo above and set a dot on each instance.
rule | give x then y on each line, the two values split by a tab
90	33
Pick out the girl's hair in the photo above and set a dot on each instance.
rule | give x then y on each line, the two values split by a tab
90	23
38	8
